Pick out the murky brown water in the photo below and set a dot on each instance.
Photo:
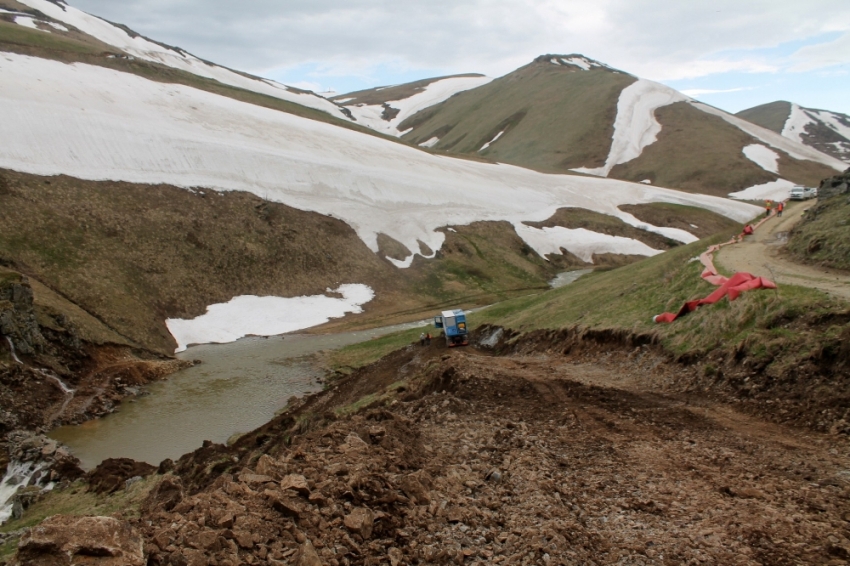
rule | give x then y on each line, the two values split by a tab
238	387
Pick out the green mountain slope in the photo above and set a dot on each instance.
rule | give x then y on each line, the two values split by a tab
552	117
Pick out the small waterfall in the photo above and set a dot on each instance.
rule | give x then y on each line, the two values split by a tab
12	350
17	474
65	389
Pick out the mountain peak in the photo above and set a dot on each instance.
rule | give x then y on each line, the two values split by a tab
572	60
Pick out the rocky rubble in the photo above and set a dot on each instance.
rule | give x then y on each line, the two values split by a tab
518	460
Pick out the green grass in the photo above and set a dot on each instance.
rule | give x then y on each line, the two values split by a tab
551	117
364	353
628	298
823	236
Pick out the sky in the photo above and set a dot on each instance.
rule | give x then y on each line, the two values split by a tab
733	54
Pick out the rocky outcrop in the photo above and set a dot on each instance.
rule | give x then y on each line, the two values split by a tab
833	186
113	473
17	316
97	541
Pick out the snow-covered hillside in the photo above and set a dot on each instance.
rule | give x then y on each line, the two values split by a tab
802	120
142	48
636	128
96	123
386	117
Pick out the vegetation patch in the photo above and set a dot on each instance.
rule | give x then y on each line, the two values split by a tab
822	237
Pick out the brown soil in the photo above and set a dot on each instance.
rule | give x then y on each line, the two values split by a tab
534	458
762	254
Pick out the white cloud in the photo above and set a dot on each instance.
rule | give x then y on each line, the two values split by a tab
655	39
696	92
823	55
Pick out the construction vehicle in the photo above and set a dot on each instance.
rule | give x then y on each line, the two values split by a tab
453	324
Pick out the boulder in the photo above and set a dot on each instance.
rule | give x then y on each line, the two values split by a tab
111	474
360	521
67	540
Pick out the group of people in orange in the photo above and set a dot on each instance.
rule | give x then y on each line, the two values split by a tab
780	206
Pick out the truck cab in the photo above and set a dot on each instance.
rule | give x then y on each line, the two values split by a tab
453	324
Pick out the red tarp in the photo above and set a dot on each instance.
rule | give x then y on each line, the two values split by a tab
731	287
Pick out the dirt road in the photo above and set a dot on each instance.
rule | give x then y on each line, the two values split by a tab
526	459
761	254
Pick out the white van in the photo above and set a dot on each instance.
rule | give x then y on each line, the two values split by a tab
800	192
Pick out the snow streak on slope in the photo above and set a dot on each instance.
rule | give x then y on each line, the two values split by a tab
774	190
795	125
434	93
837	122
774	140
635	127
149	51
763	156
580	241
266	316
95	123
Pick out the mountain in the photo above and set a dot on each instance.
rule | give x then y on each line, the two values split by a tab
828	132
143	191
384	108
564	113
70	34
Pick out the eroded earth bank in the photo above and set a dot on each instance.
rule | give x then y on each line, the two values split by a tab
534	456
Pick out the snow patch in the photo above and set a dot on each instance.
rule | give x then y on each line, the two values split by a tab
795	125
763	156
266	316
28	22
436	92
489	143
838	122
774	190
430	143
580	242
635	126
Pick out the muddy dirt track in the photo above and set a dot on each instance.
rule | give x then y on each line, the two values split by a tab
761	254
524	459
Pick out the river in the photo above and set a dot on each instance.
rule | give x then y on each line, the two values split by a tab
237	387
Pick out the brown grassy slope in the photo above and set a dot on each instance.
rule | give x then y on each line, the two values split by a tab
823	235
134	255
554	117
771	116
698	221
379	95
701	153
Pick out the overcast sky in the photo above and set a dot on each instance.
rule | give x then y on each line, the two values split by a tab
730	53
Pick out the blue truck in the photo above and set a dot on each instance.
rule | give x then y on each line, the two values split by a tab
453	324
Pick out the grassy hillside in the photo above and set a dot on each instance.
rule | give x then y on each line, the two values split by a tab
823	235
771	116
554	117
